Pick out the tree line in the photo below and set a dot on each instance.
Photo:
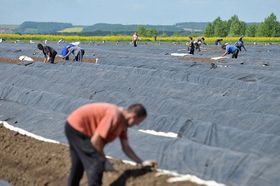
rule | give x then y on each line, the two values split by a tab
270	27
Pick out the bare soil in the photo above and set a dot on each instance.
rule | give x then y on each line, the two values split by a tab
26	161
41	59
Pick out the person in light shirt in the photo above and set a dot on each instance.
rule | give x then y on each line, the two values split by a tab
135	39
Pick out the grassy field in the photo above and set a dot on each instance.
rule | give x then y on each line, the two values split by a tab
114	38
72	30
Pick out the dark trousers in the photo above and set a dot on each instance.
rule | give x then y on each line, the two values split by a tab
197	46
239	47
235	53
80	55
84	157
135	43
52	57
191	50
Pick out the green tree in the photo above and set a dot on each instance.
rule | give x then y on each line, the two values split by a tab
270	27
237	27
151	32
154	33
220	27
234	18
141	30
209	30
251	30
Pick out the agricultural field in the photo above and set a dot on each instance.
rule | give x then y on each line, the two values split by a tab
126	38
214	119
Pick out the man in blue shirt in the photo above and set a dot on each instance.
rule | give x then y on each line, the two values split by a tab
65	51
77	51
231	49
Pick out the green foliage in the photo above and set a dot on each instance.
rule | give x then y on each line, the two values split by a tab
270	27
112	29
220	27
251	30
209	30
153	32
235	27
102	29
41	27
142	31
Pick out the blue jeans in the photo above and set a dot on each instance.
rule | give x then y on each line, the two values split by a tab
84	157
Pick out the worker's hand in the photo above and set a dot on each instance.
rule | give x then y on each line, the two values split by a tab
150	163
108	166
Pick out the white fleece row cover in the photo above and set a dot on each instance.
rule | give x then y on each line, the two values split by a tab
219	123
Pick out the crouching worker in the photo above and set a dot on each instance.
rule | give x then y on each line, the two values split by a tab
91	127
48	52
230	49
77	51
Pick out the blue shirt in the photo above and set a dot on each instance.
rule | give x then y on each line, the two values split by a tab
64	50
230	49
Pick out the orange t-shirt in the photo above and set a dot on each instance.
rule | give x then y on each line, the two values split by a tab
104	118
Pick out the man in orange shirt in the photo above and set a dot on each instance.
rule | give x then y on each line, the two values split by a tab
89	128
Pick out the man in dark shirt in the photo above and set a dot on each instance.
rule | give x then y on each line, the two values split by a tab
198	42
48	52
240	44
218	42
190	46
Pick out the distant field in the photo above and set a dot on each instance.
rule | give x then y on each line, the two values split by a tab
114	38
9	26
72	30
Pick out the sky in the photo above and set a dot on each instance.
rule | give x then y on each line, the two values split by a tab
160	12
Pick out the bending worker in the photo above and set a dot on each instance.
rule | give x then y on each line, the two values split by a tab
48	52
240	44
91	127
191	46
77	51
230	49
198	42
